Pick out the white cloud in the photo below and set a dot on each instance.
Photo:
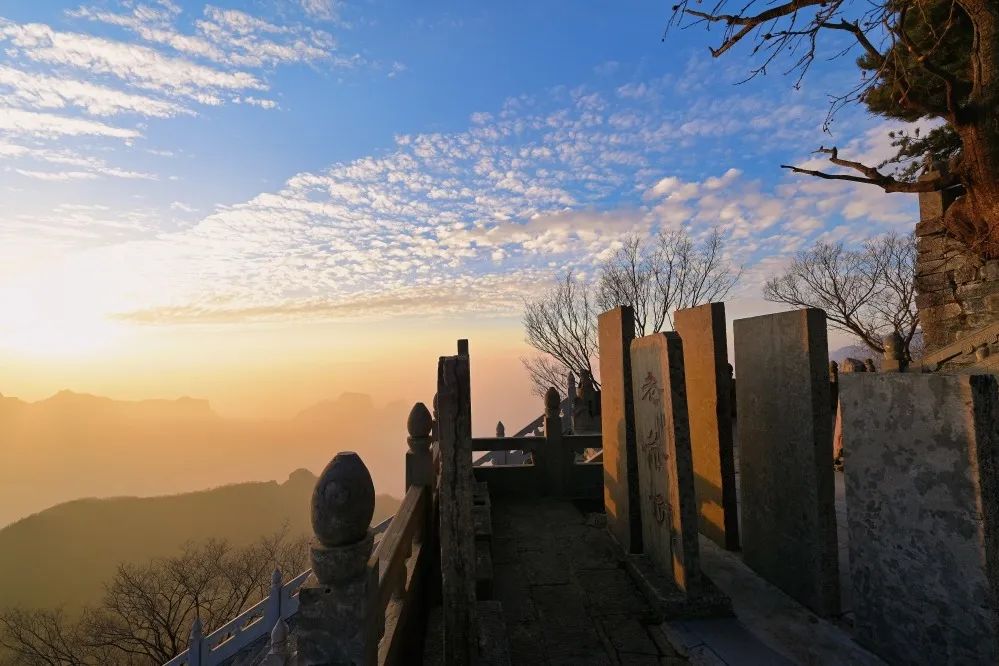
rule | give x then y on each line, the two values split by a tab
136	65
19	121
49	92
56	175
466	221
327	10
227	36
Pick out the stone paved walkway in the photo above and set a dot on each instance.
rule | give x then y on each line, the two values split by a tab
565	597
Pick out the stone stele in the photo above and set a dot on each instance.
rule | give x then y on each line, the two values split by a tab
665	470
922	489
616	330
705	364
785	453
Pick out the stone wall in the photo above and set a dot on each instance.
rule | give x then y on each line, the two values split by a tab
958	293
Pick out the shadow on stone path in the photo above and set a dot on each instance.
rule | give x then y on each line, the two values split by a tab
566	598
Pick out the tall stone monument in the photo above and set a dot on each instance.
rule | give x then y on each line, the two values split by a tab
665	469
705	361
616	330
922	487
785	448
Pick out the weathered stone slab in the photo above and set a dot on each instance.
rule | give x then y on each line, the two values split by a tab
705	363
785	448
922	490
616	330
665	470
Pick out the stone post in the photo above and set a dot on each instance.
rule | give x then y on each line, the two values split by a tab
570	402
616	330
195	647
586	407
894	362
273	612
278	654
457	531
419	460
336	615
553	456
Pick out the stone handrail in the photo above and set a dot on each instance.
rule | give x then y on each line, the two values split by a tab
397	558
252	624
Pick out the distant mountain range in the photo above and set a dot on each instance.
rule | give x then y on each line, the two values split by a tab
63	555
75	445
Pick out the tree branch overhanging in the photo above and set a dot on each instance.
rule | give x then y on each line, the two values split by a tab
874	177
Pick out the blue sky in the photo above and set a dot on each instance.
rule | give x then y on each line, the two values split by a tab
177	163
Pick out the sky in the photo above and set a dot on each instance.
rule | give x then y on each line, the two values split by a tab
270	202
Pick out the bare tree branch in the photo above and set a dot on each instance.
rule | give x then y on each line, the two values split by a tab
867	293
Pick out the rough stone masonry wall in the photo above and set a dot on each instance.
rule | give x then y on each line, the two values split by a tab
957	292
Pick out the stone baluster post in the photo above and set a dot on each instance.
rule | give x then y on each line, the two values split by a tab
279	654
336	615
553	452
273	612
196	646
419	460
894	362
570	403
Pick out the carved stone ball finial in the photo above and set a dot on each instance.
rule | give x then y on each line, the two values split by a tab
552	401
343	501
420	424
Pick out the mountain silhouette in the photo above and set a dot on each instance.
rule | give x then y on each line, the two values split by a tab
74	445
62	556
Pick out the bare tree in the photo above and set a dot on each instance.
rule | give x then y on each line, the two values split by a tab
656	277
146	613
42	636
868	292
561	325
669	274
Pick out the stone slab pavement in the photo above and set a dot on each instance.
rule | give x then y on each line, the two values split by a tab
566	598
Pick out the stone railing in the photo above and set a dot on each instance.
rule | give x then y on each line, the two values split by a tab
363	600
971	350
251	625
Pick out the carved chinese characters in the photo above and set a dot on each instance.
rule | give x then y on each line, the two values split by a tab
665	470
